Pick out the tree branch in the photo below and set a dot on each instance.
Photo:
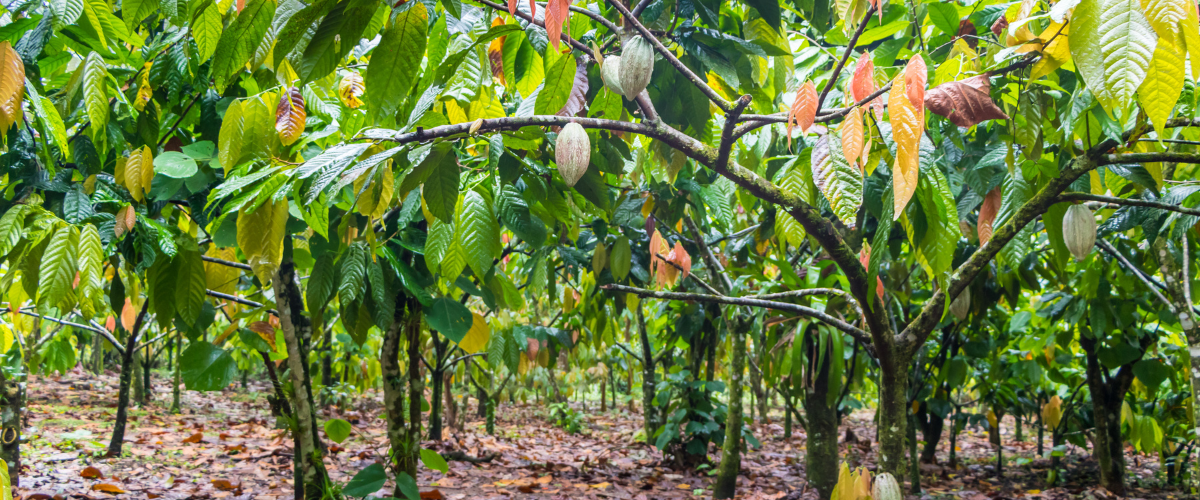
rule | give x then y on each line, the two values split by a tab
239	300
858	334
1166	156
1112	200
214	260
845	56
1112	252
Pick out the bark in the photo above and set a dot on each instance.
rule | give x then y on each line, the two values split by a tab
931	431
603	401
326	366
97	362
821	457
118	434
435	400
280	409
408	462
1107	396
731	452
12	404
312	480
176	391
1177	279
893	409
451	404
649	422
914	468
756	381
139	381
404	452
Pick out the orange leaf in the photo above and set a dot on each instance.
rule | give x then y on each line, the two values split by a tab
496	53
987	214
864	257
91	473
128	315
290	115
108	488
512	7
126	219
194	438
557	13
432	495
12	86
533	347
862	84
915	75
225	485
908	123
803	112
852	135
262	327
683	259
110	324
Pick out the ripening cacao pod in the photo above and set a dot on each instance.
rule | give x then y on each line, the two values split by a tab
961	304
886	488
637	66
1079	231
572	152
610	72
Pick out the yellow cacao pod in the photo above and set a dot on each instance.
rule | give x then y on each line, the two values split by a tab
572	152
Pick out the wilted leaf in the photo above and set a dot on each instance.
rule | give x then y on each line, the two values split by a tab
965	103
350	90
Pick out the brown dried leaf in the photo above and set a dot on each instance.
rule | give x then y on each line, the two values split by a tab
91	473
108	488
225	485
194	438
965	103
987	214
290	116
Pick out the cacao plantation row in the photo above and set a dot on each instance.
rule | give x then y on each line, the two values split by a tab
892	243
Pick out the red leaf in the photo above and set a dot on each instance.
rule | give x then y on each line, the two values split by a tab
864	258
915	75
512	7
290	116
967	28
987	214
803	111
557	13
966	102
1000	25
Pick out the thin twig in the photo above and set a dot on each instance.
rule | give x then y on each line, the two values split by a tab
837	70
1113	200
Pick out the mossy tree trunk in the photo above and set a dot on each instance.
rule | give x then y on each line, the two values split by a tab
731	451
1177	276
821	453
176	391
893	405
12	407
649	422
312	480
407	325
1107	394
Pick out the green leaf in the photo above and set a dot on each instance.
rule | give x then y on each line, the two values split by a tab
190	282
239	40
175	164
367	481
838	180
449	317
346	22
560	79
95	93
254	341
321	283
434	461
477	233
760	33
206	29
352	272
944	16
337	430
11	225
91	270
621	258
1112	44
334	159
206	367
769	10
57	271
297	28
396	61
440	238
441	189
1151	372
408	486
514	212
65	12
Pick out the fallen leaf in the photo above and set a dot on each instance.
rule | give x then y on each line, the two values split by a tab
225	485
194	438
432	495
108	488
91	473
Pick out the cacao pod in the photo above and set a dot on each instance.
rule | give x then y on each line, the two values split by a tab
572	152
961	304
610	72
1079	231
637	66
886	488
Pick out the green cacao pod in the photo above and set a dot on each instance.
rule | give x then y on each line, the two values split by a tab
961	304
610	72
886	488
1079	231
637	66
572	152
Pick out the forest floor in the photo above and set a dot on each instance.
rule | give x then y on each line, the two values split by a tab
224	445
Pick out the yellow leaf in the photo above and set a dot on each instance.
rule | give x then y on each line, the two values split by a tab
1191	38
139	171
477	337
260	235
852	135
1055	49
145	91
12	86
1096	184
377	197
229	140
1164	81
350	90
908	123
1052	412
220	277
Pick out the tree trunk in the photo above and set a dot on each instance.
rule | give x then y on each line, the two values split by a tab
326	367
139	382
1177	279
176	391
416	396
97	361
312	480
893	409
147	383
1106	408
756	381
914	466
12	405
404	452
731	452
821	457
649	423
451	404
435	405
603	400
931	431
127	367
